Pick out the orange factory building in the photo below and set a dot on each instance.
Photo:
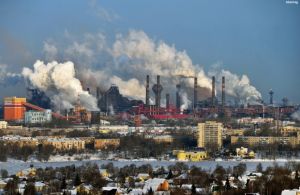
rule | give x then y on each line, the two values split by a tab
14	108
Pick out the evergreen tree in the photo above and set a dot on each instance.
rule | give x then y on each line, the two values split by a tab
77	180
194	189
227	184
63	183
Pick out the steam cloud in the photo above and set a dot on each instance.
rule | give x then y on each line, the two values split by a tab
58	82
296	115
124	63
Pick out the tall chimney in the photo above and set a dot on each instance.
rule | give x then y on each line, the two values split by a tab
158	91
147	91
213	92
167	101
178	86
98	92
223	91
157	88
195	92
271	96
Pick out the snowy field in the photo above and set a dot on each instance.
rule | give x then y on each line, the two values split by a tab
12	166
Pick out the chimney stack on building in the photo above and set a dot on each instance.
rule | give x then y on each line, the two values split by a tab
195	92
178	103
147	91
167	101
223	91
157	89
213	91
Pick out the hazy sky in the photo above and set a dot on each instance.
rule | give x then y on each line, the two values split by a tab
253	37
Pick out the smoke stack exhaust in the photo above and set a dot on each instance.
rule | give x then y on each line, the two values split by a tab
223	91
213	92
195	92
178	103
167	101
147	91
157	89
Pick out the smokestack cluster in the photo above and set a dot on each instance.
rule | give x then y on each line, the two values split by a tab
195	92
147	91
157	89
213	91
167	101
178	103
223	91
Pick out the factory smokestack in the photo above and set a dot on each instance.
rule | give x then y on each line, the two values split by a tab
167	101
157	88
271	96
147	91
178	103
98	93
195	92
223	91
213	92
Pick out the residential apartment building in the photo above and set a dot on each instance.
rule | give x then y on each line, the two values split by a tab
210	134
105	143
66	143
263	140
3	124
287	130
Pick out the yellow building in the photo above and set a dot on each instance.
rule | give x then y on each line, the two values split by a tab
20	141
30	172
163	139
210	133
261	140
105	143
244	153
191	155
66	143
231	132
3	124
286	130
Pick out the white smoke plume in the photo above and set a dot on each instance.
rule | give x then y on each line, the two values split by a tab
128	60
185	101
58	82
237	86
296	115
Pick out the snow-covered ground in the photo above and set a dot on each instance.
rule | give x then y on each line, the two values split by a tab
12	165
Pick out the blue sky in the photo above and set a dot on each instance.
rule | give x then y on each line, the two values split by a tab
253	37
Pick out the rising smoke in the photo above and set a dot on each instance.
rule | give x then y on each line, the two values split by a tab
296	115
125	63
58	82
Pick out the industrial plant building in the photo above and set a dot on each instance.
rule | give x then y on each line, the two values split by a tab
14	109
210	134
38	117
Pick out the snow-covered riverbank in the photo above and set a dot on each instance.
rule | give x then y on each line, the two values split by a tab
12	165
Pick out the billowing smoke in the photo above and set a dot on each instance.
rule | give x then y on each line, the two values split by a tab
128	60
185	102
296	115
237	86
58	82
